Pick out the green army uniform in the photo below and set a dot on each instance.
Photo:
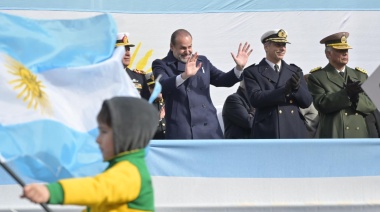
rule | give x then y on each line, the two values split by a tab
338	119
340	115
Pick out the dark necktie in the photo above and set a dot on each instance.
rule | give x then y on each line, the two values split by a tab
276	68
341	73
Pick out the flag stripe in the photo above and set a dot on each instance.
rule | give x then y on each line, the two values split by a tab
302	158
48	44
185	6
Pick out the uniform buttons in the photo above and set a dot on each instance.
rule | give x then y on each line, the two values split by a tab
292	111
345	114
347	128
280	111
163	124
203	106
290	101
356	114
357	128
164	131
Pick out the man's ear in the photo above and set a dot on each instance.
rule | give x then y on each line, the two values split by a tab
327	54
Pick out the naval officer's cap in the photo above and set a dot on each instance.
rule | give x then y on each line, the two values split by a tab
276	35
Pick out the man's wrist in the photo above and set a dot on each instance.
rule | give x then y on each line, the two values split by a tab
182	77
239	68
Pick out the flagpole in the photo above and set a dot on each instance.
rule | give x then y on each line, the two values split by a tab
20	182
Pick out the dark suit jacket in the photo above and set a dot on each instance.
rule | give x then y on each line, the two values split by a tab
189	111
237	116
277	116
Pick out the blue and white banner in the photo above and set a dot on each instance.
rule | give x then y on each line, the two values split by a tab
54	76
266	175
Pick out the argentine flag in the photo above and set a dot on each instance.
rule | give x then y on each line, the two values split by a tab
54	76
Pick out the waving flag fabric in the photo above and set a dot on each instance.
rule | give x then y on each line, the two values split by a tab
54	76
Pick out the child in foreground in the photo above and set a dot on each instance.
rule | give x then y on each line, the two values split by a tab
126	125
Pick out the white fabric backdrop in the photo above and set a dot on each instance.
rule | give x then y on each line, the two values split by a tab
217	34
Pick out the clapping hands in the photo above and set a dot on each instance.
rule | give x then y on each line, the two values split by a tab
293	84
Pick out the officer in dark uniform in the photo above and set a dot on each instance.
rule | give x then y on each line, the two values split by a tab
277	90
137	76
160	105
337	94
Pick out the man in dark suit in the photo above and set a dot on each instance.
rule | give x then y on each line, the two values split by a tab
238	115
277	90
186	80
137	76
338	96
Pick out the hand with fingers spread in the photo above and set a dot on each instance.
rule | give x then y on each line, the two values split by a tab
191	66
37	193
241	58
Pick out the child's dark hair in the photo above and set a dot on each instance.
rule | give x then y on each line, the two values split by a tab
104	115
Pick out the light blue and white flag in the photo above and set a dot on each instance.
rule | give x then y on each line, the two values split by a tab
54	76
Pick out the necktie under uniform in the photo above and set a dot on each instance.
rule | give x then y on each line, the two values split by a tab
276	68
341	73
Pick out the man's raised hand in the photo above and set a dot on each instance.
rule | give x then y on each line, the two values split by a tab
241	58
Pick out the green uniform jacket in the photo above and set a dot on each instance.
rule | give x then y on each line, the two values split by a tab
124	186
338	119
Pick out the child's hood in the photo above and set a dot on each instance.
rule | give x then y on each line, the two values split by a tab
134	122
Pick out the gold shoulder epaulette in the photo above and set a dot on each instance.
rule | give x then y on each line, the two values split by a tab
315	69
361	70
138	71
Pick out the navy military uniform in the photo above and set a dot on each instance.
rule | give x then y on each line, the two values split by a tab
342	115
138	79
137	76
277	110
159	104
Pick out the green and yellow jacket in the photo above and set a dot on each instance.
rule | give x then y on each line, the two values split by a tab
124	186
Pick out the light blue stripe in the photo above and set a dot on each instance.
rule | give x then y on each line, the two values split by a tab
195	6
265	158
43	45
53	152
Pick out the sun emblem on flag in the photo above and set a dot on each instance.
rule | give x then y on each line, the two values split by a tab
143	61
31	89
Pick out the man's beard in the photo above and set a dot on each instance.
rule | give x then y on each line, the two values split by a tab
182	59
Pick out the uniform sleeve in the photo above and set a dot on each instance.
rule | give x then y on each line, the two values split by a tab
303	96
262	98
121	183
327	102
